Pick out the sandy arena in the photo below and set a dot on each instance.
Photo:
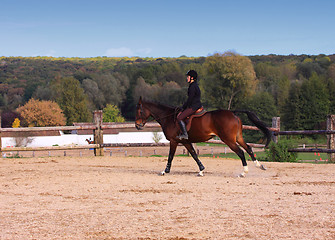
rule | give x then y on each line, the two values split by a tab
118	197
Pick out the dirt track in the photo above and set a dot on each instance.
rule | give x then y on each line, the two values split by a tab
124	198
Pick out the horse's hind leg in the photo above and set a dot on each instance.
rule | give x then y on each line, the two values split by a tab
191	150
247	148
233	146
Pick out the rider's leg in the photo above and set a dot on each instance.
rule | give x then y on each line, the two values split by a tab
180	118
182	126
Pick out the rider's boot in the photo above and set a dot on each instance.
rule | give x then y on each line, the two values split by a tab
183	134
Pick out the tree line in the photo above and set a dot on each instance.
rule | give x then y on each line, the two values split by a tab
298	88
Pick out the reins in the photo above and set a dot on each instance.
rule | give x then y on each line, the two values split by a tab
160	118
171	114
166	116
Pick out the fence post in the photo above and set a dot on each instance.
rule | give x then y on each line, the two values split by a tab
98	133
276	124
331	137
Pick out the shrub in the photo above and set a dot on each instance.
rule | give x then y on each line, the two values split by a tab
156	137
278	152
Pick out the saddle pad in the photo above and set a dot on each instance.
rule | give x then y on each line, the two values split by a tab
201	111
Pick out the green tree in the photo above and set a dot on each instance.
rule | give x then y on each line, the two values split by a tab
268	74
263	104
275	80
95	96
71	98
331	87
229	74
112	114
292	113
113	87
43	93
315	101
170	93
308	66
282	92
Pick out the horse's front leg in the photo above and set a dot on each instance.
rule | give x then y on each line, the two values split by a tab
191	150
173	147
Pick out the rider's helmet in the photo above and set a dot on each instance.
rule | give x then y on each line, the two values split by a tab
193	74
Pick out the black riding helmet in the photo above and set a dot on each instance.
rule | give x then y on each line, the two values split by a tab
192	74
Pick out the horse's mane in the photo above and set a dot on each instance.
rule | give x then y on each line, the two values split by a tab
161	105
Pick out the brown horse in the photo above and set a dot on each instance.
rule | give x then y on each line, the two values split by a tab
222	123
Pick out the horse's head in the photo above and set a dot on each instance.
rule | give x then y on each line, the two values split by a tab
142	114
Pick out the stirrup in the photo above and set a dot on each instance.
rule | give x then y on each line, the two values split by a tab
182	136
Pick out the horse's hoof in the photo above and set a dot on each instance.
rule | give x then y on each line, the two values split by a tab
162	173
201	174
262	167
242	175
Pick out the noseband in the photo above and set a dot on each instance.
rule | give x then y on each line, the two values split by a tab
141	125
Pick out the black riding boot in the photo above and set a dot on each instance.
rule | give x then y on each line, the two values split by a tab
183	134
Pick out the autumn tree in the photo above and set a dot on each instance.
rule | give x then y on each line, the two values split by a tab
228	74
16	123
37	113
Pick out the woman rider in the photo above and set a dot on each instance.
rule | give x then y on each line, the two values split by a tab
192	104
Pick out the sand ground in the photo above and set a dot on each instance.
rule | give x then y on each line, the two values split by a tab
118	197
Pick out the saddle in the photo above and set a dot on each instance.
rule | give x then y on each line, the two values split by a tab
199	113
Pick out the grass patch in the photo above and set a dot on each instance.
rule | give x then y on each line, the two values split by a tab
15	155
210	144
302	157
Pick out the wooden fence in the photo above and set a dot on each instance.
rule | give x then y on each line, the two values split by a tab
98	127
330	132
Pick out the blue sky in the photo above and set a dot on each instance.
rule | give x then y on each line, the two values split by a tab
167	28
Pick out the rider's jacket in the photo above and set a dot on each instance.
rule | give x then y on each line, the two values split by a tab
194	95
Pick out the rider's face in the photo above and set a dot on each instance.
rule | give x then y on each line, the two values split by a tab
188	79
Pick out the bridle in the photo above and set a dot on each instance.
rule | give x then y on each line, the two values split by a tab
144	121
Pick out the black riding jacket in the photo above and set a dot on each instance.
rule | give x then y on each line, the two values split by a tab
194	95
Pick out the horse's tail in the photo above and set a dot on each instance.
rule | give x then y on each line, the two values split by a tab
258	123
